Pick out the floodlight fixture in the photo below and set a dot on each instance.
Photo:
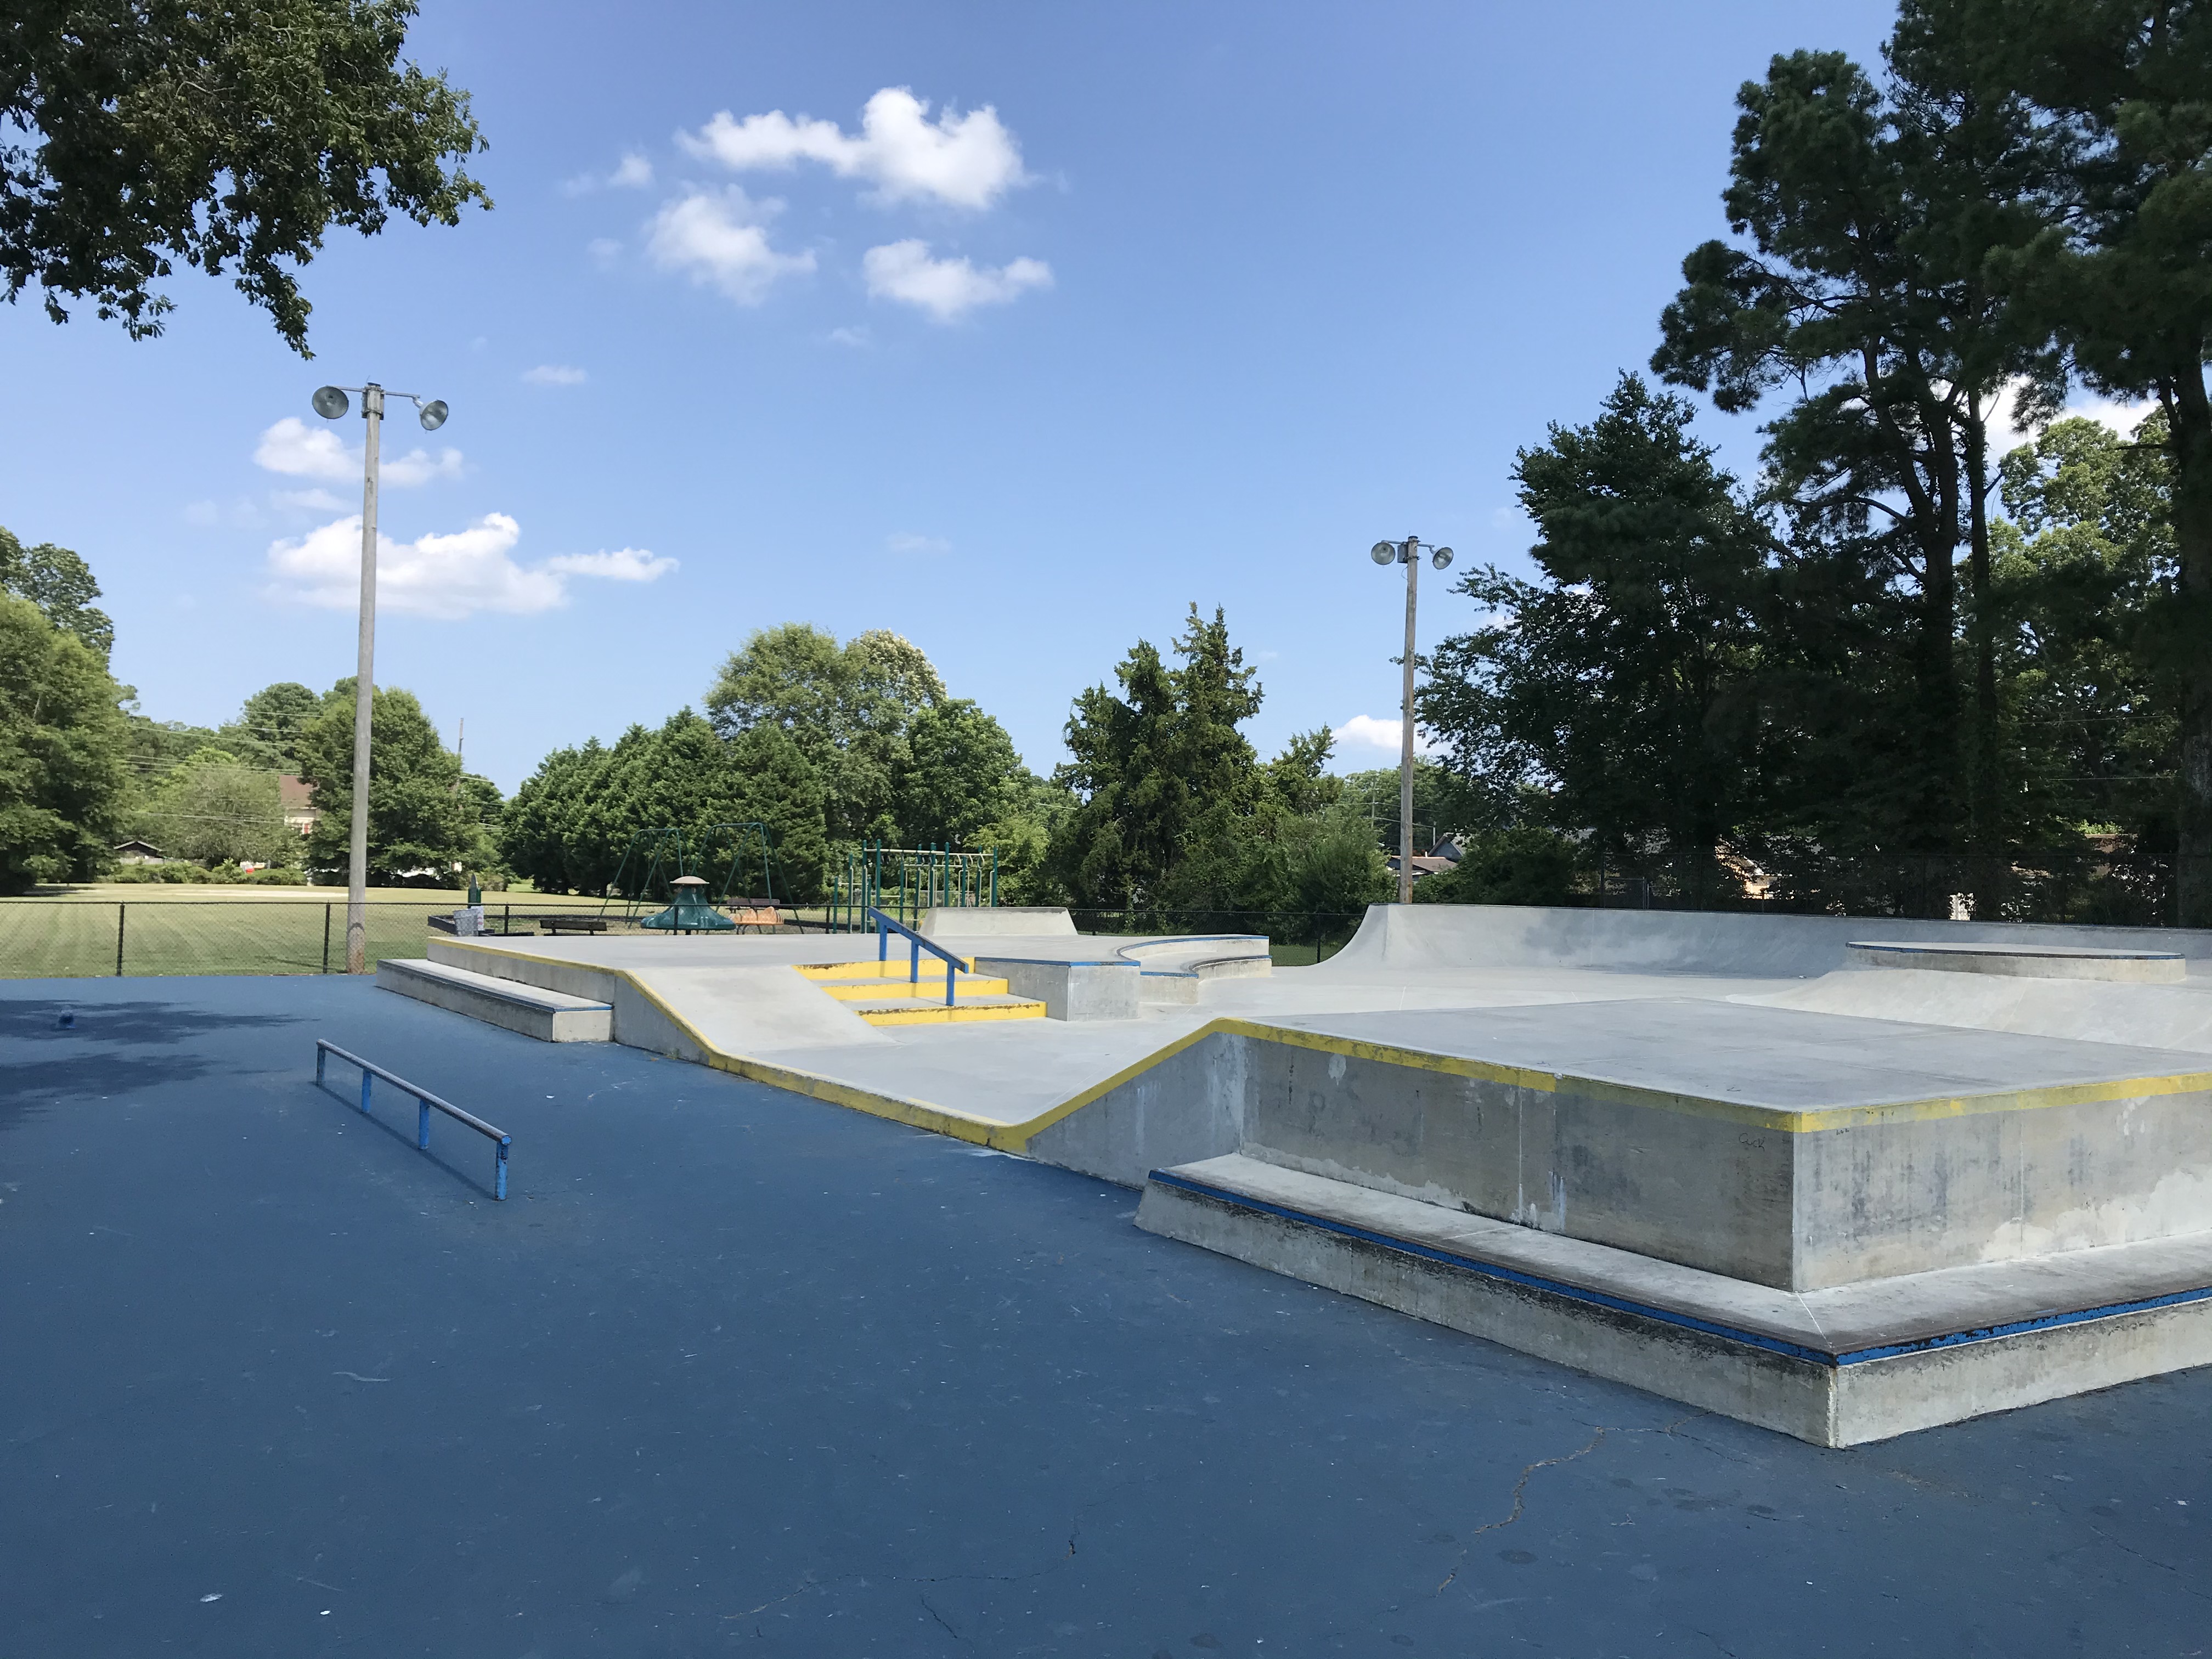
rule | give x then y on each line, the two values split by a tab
1408	553
332	402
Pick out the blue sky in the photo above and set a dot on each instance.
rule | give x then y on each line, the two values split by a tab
1211	299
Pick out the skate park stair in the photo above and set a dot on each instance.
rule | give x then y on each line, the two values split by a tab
548	1016
884	993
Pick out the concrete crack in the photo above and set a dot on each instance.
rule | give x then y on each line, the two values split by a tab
2151	1560
1520	1486
942	1623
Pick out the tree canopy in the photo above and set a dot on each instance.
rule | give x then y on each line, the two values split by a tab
63	776
418	818
230	138
61	585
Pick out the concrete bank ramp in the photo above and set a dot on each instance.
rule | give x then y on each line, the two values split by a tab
1424	939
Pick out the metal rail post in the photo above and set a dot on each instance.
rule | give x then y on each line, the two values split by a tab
119	910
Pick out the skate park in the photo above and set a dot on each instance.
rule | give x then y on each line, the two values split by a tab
1742	1161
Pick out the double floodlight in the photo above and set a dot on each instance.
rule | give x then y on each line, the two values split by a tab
1402	553
330	402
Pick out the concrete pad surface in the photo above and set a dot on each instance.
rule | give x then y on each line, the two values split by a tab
1785	1059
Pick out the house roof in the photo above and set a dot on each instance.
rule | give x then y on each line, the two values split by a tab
294	795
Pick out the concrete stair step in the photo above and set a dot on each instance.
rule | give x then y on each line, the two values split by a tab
966	987
914	1011
835	971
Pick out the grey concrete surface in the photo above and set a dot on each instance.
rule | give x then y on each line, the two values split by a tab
548	1016
737	1372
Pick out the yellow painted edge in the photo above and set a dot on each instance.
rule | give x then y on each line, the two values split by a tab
1014	1137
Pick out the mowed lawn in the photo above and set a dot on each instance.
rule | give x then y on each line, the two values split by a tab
204	930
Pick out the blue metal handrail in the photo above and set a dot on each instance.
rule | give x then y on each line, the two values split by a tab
885	926
424	1100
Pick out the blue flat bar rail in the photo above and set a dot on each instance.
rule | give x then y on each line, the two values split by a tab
424	1100
885	927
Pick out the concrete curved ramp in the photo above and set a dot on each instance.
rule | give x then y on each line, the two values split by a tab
1430	938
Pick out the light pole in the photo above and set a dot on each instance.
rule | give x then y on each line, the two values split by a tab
1408	553
330	404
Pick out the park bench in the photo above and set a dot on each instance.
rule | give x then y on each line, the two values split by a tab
568	924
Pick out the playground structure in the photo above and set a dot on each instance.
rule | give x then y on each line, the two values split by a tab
1738	1160
904	881
712	863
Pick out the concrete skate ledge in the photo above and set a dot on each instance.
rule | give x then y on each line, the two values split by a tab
2024	961
548	1016
1739	1349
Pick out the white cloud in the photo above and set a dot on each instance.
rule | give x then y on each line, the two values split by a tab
946	288
850	336
1364	733
308	501
554	375
721	237
962	160
446	577
297	450
603	249
418	466
2008	432
624	564
633	172
906	542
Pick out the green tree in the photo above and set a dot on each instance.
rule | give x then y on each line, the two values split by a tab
847	708
63	781
1872	219
959	774
540	832
215	809
227	137
575	819
416	818
1159	770
2085	563
268	727
1622	686
61	585
1520	864
2119	93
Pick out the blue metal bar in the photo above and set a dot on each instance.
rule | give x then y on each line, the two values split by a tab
424	1100
885	927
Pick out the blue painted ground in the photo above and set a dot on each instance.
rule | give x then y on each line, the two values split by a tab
733	1372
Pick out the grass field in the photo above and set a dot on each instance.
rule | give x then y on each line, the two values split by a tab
215	930
74	933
